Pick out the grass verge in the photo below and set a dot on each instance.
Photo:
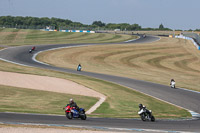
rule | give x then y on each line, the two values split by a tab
35	101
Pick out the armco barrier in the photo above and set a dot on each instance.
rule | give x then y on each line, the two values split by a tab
193	35
189	38
83	31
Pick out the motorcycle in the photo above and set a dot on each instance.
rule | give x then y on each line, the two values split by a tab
146	115
71	112
173	84
79	68
31	50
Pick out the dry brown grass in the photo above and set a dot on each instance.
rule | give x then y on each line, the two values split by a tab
156	62
156	32
16	37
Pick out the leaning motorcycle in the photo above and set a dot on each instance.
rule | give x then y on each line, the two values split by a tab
71	112
146	115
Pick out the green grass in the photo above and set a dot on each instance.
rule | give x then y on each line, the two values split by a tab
34	101
122	98
118	97
16	37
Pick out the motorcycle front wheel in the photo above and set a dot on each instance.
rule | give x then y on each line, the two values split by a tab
143	118
69	115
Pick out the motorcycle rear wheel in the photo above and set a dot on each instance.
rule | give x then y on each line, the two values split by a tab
143	118
83	117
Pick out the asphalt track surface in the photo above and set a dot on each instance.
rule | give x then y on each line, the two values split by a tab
183	98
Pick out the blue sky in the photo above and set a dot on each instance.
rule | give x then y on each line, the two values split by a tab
175	14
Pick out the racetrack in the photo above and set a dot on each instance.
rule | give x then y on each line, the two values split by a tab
102	123
183	98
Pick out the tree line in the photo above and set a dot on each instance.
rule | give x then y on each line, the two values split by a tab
57	23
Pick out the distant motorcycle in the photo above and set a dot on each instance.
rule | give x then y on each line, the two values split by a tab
146	115
79	67
32	49
173	84
71	112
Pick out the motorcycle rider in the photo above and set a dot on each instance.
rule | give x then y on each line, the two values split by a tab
79	67
140	106
73	104
33	48
172	82
144	108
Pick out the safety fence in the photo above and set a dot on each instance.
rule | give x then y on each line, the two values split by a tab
195	36
83	31
47	30
191	39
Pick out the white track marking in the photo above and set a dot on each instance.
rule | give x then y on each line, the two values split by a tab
94	107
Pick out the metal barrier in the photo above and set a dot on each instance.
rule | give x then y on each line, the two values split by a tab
84	31
195	36
191	39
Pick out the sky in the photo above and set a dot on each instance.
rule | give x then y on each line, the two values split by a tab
174	14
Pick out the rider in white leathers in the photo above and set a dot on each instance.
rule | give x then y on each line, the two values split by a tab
142	108
172	83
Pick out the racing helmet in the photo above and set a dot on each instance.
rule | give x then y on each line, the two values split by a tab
140	106
71	100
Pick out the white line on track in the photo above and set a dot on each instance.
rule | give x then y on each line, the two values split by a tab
189	90
132	40
14	62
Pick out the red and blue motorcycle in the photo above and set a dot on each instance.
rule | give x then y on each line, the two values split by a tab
71	112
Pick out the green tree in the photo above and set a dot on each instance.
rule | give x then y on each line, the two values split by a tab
45	21
67	22
124	26
135	27
98	24
113	26
161	27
